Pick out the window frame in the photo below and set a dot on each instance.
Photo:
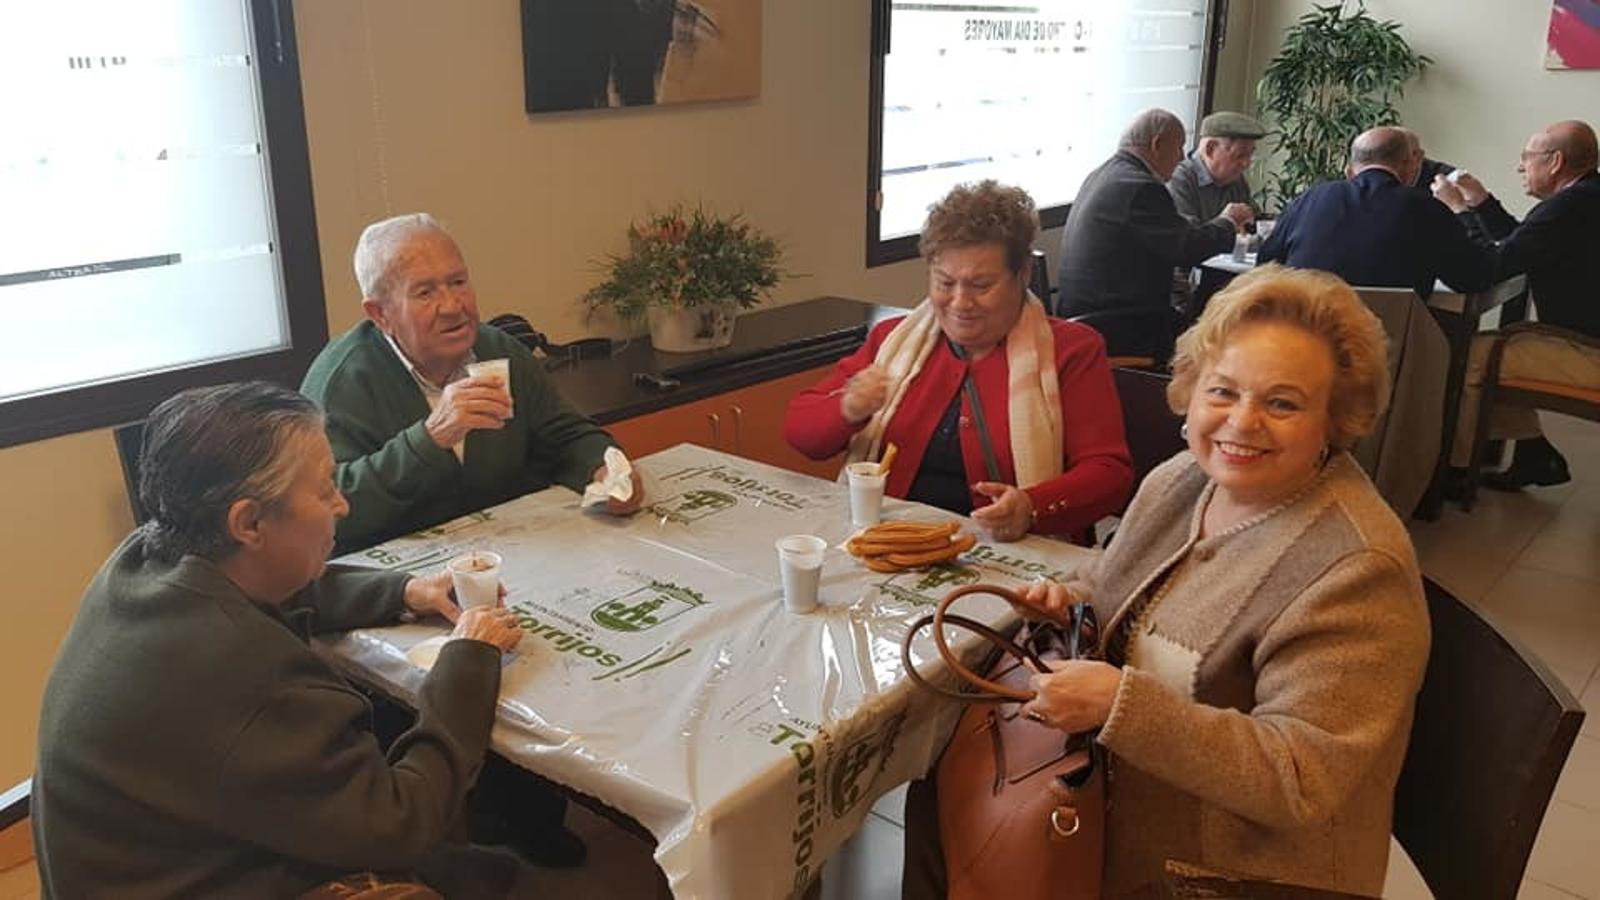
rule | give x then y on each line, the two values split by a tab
881	252
129	399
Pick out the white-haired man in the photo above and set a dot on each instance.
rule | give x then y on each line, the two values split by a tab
1554	244
1212	176
417	439
418	442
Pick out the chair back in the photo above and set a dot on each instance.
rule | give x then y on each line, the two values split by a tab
1402	451
1152	428
1492	731
1039	282
130	445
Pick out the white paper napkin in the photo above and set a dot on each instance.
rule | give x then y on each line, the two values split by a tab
616	484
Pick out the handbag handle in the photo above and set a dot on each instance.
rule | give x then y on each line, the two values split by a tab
988	691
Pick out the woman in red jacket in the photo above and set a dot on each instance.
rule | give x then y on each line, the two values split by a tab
998	410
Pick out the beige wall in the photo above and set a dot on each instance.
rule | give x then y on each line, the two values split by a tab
1487	89
417	104
64	511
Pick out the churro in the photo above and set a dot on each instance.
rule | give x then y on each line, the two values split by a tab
896	546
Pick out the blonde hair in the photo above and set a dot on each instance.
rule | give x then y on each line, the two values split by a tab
1316	302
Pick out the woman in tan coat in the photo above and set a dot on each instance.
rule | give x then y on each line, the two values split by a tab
1264	621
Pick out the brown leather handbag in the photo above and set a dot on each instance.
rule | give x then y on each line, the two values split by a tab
1021	804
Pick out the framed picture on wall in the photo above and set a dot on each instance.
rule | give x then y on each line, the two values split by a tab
593	54
1574	39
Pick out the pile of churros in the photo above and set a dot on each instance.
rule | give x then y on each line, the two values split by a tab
897	546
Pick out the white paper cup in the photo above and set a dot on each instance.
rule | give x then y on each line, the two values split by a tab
866	493
800	567
476	577
499	369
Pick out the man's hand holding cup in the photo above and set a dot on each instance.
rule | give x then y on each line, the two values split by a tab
468	405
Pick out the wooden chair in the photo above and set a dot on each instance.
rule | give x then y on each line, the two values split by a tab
1562	398
1492	731
1152	428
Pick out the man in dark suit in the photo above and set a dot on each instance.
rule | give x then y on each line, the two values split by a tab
1556	246
1124	236
1374	230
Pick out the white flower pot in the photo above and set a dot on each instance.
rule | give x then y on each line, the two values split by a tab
692	329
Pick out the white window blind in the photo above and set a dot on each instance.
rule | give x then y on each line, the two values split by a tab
137	226
1029	93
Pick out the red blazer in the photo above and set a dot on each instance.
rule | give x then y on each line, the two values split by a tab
1097	472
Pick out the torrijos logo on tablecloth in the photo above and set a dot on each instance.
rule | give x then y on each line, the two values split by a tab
741	484
646	606
925	587
691	505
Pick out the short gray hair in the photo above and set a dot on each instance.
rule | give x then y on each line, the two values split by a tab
379	247
1146	127
207	448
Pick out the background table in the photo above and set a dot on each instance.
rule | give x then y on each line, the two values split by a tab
661	676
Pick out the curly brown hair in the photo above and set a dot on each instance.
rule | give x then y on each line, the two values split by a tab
984	213
1322	305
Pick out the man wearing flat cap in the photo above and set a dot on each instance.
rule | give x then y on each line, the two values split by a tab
1213	175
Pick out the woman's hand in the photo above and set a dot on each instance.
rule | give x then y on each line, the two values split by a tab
429	595
1010	516
1045	599
495	626
864	394
1076	696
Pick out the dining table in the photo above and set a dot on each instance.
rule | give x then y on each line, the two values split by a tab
661	678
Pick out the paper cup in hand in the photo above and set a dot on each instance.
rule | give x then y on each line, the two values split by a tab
800	567
476	577
866	493
497	369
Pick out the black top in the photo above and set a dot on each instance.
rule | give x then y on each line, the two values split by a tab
942	478
1432	168
1557	245
1373	231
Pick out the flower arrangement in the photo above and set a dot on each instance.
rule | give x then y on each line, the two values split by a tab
682	259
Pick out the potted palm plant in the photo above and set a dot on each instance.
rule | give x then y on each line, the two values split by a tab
688	273
1338	73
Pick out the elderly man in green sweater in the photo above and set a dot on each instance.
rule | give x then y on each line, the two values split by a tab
418	440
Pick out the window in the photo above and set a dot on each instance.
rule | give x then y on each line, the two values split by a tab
157	229
1033	93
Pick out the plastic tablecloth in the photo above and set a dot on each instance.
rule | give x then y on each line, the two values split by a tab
660	673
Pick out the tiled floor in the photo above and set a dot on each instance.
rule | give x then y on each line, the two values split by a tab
1530	560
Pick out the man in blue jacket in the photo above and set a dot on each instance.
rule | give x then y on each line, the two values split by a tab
1373	229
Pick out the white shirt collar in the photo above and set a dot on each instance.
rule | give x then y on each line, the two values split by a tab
428	388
